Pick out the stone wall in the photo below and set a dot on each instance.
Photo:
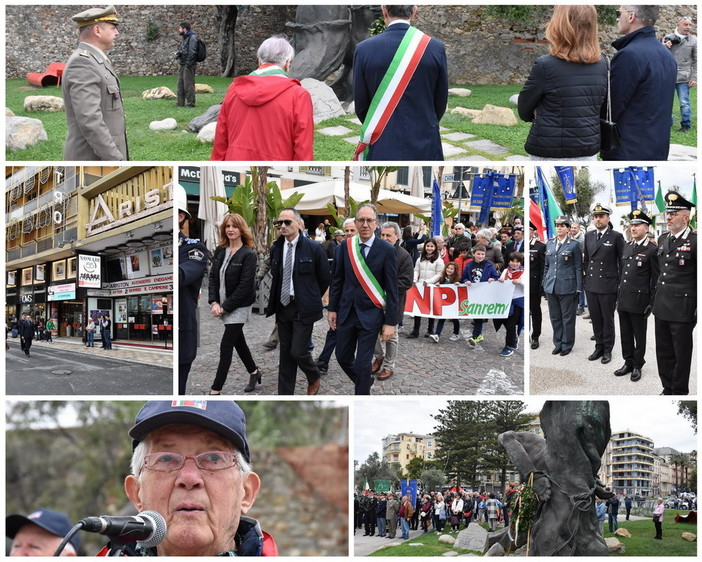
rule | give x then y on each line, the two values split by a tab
481	48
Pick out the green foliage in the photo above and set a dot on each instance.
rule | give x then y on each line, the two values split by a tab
523	13
415	467
523	512
152	32
374	468
688	410
607	15
642	543
432	479
352	205
587	191
377	27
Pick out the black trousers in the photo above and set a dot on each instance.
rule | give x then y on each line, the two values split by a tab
233	338
354	351
294	335
632	329
659	529
674	355
601	308
535	311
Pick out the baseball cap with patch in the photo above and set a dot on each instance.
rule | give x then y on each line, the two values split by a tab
54	522
225	418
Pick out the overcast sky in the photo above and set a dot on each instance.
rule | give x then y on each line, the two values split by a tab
653	417
673	174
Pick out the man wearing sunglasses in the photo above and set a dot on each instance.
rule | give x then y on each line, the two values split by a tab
191	464
300	277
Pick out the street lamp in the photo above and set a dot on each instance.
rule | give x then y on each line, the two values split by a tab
164	304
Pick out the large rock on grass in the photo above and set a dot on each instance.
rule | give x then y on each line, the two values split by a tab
168	124
160	93
621	532
614	545
203	89
465	112
23	132
447	539
324	101
43	103
495	115
691	537
207	133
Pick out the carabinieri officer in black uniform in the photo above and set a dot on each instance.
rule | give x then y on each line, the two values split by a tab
675	305
639	269
537	257
603	252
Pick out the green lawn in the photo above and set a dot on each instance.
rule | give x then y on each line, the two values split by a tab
642	532
180	144
431	547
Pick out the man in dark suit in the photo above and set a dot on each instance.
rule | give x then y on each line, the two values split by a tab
517	243
412	131
639	269
26	332
603	253
363	298
675	306
563	278
537	257
300	278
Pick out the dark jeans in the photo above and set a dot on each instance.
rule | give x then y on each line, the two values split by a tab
418	323
233	338
440	326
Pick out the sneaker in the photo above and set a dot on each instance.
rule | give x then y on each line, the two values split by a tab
434	338
455	337
507	351
471	341
477	339
579	311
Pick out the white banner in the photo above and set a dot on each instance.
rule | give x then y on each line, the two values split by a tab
478	300
89	271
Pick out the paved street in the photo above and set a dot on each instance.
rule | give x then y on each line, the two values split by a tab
422	367
574	374
93	371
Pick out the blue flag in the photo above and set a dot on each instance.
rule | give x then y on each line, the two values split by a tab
437	211
567	177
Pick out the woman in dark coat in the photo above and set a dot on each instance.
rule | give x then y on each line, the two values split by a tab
564	93
232	291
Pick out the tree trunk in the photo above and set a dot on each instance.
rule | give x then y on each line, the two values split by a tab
226	18
347	188
259	176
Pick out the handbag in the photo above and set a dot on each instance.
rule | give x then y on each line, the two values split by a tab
656	518
610	138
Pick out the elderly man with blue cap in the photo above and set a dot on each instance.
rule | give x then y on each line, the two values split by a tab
40	533
191	464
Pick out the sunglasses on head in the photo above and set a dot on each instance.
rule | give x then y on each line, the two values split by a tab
286	222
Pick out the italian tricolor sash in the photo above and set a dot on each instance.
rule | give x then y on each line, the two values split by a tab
391	89
364	275
268	70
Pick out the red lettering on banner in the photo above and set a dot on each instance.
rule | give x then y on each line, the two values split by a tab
423	300
462	291
443	296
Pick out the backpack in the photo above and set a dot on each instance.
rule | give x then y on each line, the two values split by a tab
200	50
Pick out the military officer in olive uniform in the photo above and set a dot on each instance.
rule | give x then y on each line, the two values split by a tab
639	269
91	92
675	305
603	254
563	280
192	263
537	253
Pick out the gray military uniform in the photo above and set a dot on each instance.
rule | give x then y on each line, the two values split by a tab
94	109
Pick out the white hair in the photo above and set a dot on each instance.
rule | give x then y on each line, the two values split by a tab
137	463
275	50
349	221
485	233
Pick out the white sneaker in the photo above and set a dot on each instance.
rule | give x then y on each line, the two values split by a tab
434	338
455	337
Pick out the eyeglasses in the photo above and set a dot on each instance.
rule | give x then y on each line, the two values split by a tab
365	221
286	222
671	213
211	460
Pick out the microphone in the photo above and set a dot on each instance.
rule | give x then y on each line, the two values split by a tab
148	528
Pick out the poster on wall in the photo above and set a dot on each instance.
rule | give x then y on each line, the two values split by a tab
89	271
59	271
40	273
120	310
27	276
11	278
156	258
71	268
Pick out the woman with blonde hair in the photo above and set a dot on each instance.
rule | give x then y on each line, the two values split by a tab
232	292
564	93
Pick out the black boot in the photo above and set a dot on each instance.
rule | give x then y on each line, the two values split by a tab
253	378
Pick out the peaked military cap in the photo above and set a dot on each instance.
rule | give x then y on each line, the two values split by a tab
562	220
532	225
96	15
600	209
674	201
639	217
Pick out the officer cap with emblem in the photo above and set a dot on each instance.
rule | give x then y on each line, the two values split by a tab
532	226
638	217
96	15
600	209
674	201
562	220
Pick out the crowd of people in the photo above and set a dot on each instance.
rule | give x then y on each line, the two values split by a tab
638	277
381	514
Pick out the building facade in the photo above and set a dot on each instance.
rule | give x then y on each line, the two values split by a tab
630	464
91	240
403	447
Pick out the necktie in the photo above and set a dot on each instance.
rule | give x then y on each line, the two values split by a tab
364	250
287	277
599	236
558	246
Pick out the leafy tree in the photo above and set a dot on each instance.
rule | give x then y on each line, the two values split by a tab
586	190
415	468
432	478
377	175
463	432
688	410
374	469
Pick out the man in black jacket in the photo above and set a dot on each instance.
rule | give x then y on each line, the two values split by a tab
300	278
635	298
187	58
537	258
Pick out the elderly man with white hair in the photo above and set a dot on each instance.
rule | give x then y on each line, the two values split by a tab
266	115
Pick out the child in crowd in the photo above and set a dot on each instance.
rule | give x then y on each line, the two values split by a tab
479	270
450	276
513	273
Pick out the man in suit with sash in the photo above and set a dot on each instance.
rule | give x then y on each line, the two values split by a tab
675	306
400	90
363	298
91	92
563	280
640	270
